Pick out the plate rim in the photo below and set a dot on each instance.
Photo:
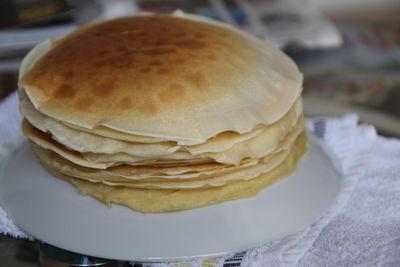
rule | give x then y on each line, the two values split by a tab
313	142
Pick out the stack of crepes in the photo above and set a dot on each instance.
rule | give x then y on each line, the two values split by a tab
163	113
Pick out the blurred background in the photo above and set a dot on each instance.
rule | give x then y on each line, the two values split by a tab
348	50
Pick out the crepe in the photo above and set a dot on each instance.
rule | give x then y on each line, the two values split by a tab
150	88
202	175
162	113
89	142
262	146
156	201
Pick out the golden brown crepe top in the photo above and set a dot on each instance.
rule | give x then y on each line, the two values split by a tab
162	76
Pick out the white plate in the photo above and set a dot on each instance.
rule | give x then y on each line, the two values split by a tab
53	211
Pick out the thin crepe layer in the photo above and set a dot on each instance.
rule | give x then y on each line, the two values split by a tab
92	143
44	140
156	201
207	178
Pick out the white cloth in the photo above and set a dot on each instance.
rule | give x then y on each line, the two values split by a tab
350	147
367	231
10	131
361	228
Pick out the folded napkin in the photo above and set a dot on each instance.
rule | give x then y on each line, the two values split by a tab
361	228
